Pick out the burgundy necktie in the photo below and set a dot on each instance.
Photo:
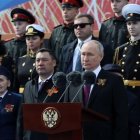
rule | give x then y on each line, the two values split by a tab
86	93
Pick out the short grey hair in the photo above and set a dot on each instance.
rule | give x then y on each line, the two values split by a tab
100	47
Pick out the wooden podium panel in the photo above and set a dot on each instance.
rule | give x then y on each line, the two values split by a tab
60	121
68	127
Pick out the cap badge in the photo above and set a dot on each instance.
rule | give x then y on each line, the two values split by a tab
15	15
30	30
131	14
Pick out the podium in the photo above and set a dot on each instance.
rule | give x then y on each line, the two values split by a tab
60	121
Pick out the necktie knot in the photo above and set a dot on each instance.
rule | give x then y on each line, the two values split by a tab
81	44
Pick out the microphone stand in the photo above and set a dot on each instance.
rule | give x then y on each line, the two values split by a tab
64	91
78	91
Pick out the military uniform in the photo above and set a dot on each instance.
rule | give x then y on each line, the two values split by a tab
26	64
26	71
128	56
16	47
61	35
114	32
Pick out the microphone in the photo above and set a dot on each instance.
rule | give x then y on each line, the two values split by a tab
72	78
87	77
59	81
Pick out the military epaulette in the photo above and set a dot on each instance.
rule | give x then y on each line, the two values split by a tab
123	45
107	19
57	26
23	56
9	39
116	54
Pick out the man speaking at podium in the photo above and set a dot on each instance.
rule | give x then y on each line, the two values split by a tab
106	96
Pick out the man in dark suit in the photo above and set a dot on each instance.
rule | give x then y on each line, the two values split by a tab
40	89
107	96
9	107
70	56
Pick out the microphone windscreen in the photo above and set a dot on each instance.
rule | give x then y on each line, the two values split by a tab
59	79
89	77
74	77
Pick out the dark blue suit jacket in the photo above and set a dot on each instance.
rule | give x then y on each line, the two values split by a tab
66	60
9	108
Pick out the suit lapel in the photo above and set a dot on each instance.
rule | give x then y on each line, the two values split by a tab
69	59
96	89
79	96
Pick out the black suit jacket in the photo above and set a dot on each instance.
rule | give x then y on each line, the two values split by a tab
109	99
66	60
9	108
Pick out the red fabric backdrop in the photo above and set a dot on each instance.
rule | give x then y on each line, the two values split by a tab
48	13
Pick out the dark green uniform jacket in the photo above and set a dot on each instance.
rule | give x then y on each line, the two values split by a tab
61	35
16	48
114	32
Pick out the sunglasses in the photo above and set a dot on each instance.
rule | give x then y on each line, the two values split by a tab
82	25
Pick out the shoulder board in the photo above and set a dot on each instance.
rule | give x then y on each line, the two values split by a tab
57	26
22	56
107	19
9	39
123	45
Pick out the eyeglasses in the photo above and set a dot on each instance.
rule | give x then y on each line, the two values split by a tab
82	25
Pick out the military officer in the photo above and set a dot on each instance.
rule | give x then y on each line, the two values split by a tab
64	33
26	64
128	56
113	31
16	47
